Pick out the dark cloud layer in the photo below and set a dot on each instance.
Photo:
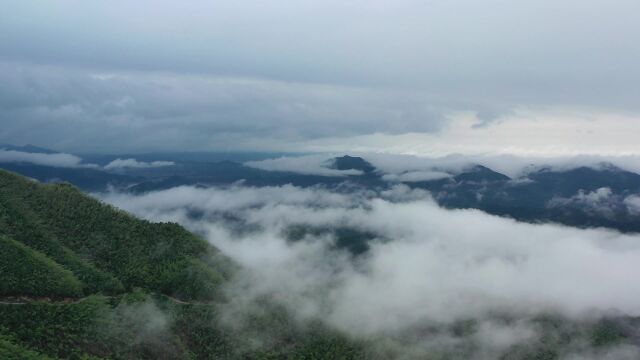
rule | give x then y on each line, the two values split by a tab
232	74
65	108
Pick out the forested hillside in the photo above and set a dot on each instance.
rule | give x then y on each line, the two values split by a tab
81	279
103	250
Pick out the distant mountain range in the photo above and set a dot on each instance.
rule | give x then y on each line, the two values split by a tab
27	148
582	196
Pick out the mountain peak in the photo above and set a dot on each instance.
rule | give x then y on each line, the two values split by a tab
479	173
347	162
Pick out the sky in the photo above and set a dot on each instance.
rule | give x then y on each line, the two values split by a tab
535	78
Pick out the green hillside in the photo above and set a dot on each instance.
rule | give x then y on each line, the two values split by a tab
24	271
107	250
80	279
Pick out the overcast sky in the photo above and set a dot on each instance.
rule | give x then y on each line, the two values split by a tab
539	77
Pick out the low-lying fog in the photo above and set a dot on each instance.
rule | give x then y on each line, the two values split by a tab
424	264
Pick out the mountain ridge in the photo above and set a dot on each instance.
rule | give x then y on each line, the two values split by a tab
531	197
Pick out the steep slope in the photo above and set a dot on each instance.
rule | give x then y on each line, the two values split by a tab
82	280
108	250
24	271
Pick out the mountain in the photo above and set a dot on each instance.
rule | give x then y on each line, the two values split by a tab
563	196
228	172
80	279
565	183
480	174
543	195
347	162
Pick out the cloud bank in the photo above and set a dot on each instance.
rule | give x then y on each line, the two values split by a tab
309	165
72	161
425	264
135	164
55	160
64	107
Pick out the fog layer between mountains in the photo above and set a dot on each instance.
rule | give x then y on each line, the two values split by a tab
424	264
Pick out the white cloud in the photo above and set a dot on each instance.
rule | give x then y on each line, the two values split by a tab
601	201
633	204
599	195
499	337
593	198
309	164
525	133
413	176
428	264
133	163
56	160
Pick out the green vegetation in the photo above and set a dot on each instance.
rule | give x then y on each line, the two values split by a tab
107	250
356	241
24	271
10	349
141	326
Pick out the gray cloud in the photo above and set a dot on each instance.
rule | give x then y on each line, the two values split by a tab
64	108
230	74
487	46
309	164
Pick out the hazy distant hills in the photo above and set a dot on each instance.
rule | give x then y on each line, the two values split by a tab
104	250
87	179
27	148
582	196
